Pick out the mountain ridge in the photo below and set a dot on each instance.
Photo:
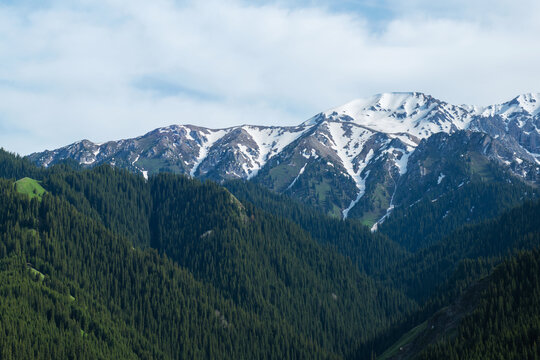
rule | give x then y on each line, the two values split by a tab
364	145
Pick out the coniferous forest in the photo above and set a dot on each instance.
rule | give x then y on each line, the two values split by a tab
102	264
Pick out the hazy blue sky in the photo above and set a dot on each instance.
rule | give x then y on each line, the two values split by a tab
111	69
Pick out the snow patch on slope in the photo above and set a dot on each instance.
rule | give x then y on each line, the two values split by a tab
361	191
188	132
348	148
313	154
270	142
402	162
208	140
440	178
87	161
297	176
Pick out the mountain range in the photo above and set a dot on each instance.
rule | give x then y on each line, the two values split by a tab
359	160
108	262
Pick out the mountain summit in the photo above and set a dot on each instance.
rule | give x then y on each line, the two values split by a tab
354	160
416	114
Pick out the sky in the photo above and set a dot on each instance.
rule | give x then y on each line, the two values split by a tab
110	69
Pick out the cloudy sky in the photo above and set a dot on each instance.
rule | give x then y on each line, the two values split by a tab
110	69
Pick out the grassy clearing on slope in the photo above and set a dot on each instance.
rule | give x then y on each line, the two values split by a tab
479	165
29	187
282	176
369	218
321	190
38	275
335	212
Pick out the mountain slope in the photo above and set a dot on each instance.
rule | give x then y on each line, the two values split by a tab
76	289
439	274
506	320
424	271
371	252
130	303
431	219
496	317
262	264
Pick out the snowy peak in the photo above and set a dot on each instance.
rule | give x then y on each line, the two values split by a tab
518	121
412	113
526	104
398	102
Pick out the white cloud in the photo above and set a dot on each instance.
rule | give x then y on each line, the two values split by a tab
119	69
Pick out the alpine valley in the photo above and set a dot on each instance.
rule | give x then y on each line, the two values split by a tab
394	227
359	160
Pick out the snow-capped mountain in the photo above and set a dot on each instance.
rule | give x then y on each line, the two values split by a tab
415	114
237	152
360	159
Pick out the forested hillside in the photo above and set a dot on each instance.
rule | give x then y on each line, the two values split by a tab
77	290
445	271
430	220
496	318
516	229
102	263
263	266
506	320
372	252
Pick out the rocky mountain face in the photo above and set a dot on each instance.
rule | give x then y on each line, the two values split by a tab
358	160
